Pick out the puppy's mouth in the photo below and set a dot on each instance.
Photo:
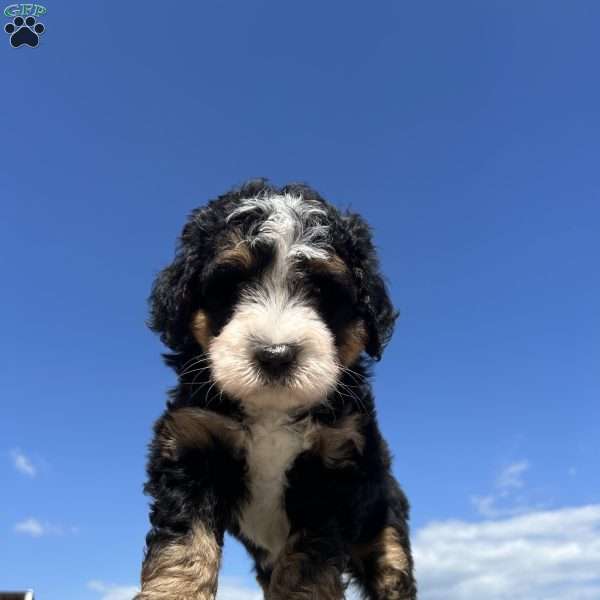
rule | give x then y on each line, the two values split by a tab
276	376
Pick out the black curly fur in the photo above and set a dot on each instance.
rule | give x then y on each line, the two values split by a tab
337	508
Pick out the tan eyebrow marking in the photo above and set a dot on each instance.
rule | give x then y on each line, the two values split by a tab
235	250
333	264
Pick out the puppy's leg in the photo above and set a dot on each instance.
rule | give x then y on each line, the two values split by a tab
383	566
309	568
184	566
192	501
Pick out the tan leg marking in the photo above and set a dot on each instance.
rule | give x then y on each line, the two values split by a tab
183	570
392	579
391	559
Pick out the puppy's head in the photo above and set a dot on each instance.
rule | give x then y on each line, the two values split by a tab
279	290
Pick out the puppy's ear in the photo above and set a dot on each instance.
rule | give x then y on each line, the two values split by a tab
174	291
375	303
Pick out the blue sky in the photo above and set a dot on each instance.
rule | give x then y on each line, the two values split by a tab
466	132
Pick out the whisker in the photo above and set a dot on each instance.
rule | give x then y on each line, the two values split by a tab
195	371
352	395
359	377
200	361
208	398
194	358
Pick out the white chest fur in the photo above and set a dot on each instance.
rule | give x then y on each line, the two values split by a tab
271	449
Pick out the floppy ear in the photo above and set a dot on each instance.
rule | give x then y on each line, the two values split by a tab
175	291
375	303
167	302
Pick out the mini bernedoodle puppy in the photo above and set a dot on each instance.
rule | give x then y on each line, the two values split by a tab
273	309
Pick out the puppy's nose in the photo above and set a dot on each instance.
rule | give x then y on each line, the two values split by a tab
275	359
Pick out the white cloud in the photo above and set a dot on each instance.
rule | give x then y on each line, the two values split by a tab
542	555
30	527
22	463
110	591
229	589
35	528
232	589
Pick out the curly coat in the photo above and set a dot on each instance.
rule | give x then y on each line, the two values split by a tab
345	513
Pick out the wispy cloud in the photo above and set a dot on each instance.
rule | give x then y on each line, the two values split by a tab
511	477
35	528
22	463
542	555
30	527
501	502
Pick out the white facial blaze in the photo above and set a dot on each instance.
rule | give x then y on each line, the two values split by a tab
268	314
233	362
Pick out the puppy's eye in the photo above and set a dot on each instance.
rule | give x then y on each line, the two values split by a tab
332	292
221	286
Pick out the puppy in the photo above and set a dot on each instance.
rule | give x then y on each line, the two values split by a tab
273	309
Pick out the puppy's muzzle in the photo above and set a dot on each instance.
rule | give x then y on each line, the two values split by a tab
276	360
